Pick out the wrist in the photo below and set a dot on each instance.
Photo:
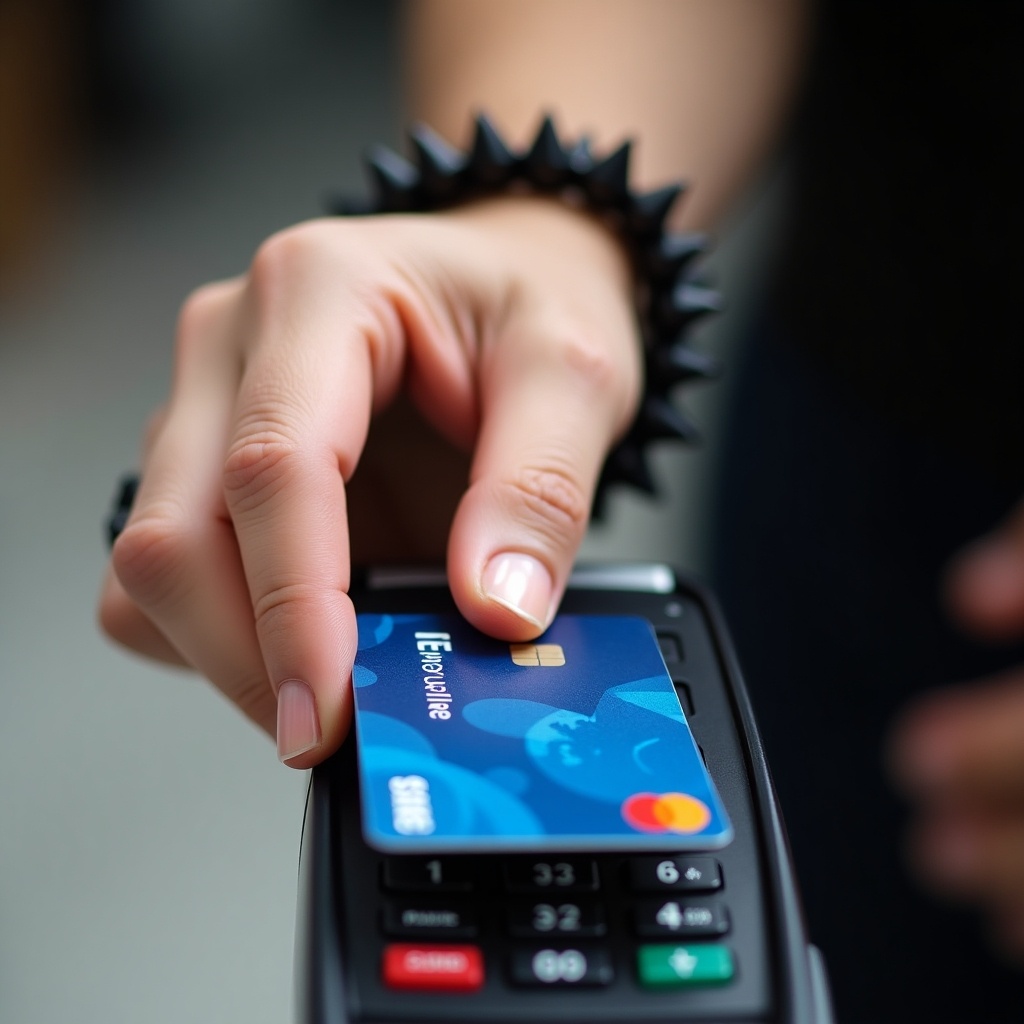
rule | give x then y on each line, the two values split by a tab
549	228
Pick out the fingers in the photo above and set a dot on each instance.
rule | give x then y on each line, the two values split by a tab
558	384
1008	930
973	855
122	620
985	586
236	557
966	743
977	858
119	616
177	559
317	356
960	756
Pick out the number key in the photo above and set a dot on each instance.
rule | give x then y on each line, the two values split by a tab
566	919
690	874
560	874
427	874
659	918
558	968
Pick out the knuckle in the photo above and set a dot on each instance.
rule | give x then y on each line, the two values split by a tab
153	428
149	557
608	377
198	312
275	256
258	467
283	607
284	256
201	304
592	365
552	499
347	251
113	616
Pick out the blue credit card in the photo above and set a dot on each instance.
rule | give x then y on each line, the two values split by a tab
575	741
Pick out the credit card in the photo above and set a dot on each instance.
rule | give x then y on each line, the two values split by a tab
575	741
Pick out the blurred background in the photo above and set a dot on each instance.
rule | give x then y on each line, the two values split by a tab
148	836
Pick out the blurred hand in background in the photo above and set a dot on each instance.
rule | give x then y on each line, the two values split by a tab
959	754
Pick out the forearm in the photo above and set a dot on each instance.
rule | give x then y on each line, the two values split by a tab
702	85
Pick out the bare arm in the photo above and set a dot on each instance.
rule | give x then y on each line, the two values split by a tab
702	85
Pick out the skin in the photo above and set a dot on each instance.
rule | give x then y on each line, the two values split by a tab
959	754
381	390
236	558
457	334
709	81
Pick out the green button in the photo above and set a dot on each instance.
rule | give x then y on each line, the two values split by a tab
671	966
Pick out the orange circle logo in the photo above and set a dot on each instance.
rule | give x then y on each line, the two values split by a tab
666	812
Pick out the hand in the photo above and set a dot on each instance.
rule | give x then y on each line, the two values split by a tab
507	326
960	754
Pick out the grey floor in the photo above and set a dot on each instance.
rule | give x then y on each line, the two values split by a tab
148	836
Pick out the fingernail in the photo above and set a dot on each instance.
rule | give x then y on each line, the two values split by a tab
298	728
521	584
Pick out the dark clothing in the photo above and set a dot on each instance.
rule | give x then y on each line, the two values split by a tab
903	269
833	531
878	426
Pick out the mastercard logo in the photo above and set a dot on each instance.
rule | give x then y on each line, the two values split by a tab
666	812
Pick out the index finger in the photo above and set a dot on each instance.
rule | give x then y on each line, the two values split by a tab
318	355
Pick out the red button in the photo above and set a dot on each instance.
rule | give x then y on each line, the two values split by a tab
433	968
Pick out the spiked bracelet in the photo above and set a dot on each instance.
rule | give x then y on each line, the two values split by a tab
668	297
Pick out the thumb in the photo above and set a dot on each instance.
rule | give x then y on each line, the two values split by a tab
550	411
558	378
985	584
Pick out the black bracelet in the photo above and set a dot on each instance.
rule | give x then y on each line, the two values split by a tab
669	298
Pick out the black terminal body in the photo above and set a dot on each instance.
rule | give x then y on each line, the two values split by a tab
566	938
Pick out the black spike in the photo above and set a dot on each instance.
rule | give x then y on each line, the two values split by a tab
673	253
607	181
697	298
627	464
668	367
686	304
490	161
581	159
394	178
660	419
547	163
439	162
127	488
338	205
649	210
